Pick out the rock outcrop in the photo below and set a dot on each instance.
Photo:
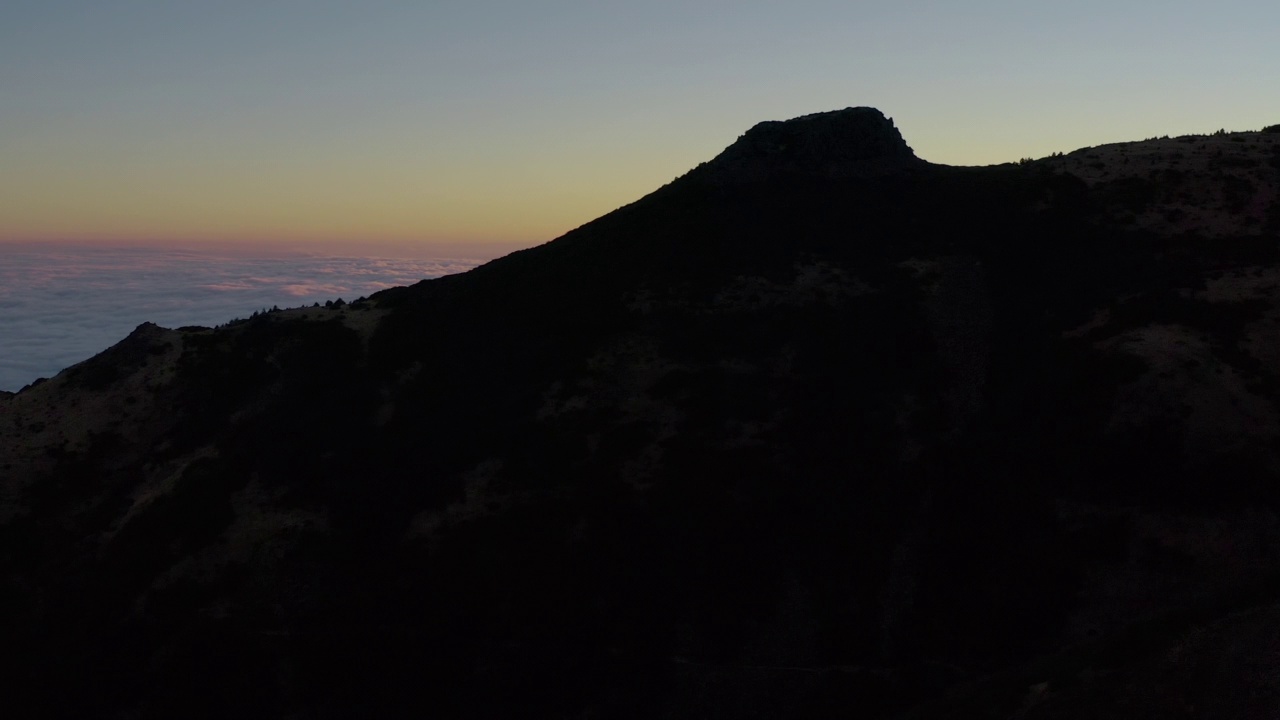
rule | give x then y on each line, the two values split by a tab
854	142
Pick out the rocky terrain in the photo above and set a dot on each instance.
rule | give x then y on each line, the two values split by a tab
820	429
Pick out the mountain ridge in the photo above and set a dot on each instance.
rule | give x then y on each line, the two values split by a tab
906	439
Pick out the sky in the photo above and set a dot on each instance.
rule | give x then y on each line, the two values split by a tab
344	125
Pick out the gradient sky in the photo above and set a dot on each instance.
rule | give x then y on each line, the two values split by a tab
502	121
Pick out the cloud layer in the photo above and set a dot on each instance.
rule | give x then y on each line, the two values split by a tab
62	304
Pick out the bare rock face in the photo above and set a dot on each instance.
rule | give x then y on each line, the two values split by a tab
854	142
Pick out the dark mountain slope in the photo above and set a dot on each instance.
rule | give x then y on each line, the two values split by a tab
817	429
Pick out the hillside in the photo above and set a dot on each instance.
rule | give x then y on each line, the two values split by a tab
819	429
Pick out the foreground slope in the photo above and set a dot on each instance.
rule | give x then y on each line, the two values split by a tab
819	428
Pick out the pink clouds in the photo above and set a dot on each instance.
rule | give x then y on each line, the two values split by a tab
309	289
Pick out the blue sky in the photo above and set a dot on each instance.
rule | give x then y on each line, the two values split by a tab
429	122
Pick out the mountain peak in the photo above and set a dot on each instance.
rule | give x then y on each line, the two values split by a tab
854	142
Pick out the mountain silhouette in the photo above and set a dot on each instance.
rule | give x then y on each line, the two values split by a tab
818	429
854	142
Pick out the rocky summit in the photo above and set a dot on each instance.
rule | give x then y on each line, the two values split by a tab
818	430
839	144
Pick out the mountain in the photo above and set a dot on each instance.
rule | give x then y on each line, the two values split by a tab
818	429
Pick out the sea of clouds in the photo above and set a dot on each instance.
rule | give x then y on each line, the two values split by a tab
60	304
